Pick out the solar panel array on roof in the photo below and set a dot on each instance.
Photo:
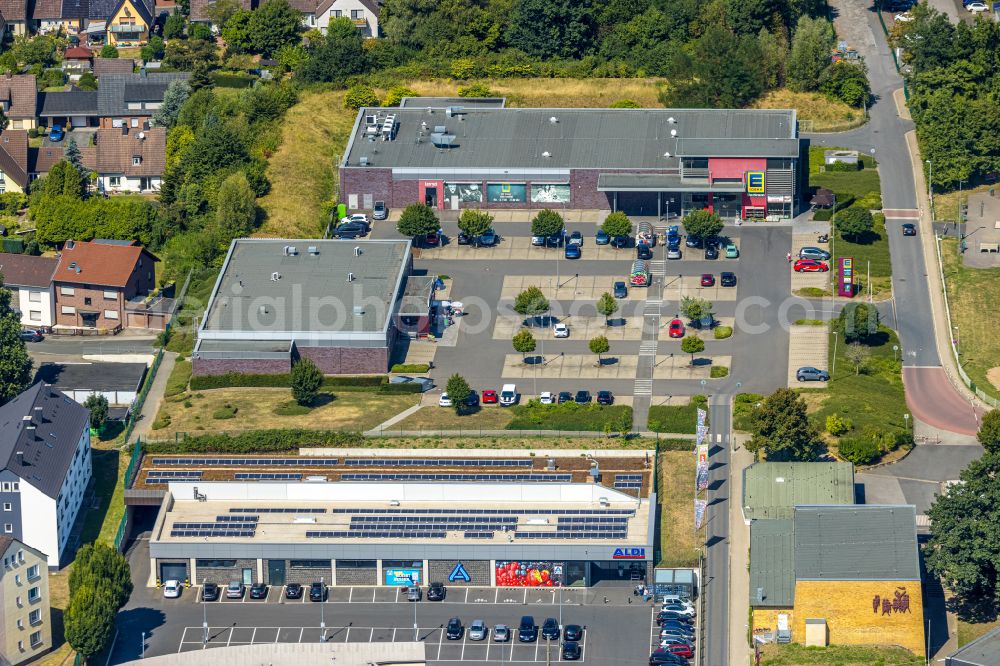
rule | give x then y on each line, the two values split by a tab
628	481
273	509
156	476
503	478
247	462
435	462
479	535
224	526
267	476
571	535
387	534
513	512
212	533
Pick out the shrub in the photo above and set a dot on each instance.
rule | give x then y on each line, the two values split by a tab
722	332
475	90
230	379
626	104
410	367
809	322
844	166
306	381
227	411
291	408
718	372
108	51
835	425
257	441
359	96
859	450
161	421
395	95
179	377
399	388
33	133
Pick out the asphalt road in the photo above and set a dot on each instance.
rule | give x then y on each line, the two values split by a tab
715	587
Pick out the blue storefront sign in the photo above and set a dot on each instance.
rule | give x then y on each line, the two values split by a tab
399	577
629	554
459	573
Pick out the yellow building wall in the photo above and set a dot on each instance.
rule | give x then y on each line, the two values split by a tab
8	184
848	608
127	11
765	620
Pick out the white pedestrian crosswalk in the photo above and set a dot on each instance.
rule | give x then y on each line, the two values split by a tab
648	348
643	387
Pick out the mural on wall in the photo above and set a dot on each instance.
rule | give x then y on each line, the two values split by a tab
506	192
529	574
558	194
900	602
466	192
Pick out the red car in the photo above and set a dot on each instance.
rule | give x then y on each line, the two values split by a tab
676	328
681	650
490	397
707	280
810	266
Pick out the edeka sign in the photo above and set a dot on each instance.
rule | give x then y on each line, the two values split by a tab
629	554
755	182
398	577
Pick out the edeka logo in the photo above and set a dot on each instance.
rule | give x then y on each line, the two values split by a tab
755	182
629	554
459	573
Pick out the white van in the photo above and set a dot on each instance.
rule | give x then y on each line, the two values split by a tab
508	395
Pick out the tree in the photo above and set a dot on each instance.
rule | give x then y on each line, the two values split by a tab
173	27
846	81
810	55
221	11
337	57
306	381
781	428
98	406
458	390
524	342
89	620
75	158
607	306
235	208
201	77
417	220
15	364
273	25
600	345
553	28
617	224
964	550
858	355
692	344
546	223
718	70
154	50
358	96
395	95
474	222
857	322
702	224
63	180
696	309
108	51
174	96
99	566
531	303
855	222
989	431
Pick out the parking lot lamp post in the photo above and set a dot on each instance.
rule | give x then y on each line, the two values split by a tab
416	627
836	337
142	646
322	619
906	421
204	624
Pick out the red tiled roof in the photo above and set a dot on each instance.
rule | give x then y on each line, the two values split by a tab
14	156
14	10
78	53
21	93
99	264
25	270
115	150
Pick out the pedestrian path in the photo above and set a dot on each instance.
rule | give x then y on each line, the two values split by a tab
144	424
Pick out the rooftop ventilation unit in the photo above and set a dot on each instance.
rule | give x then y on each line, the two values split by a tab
673	132
357	250
393	502
389	127
671	120
315	479
551	464
453	111
603	501
553	120
350	277
72	265
359	310
443	140
313	250
440	129
275	276
546	154
666	154
291	251
363	161
262	309
304	519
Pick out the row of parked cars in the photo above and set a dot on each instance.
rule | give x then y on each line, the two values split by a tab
527	632
235	590
676	644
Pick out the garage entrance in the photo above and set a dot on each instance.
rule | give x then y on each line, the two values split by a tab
173	571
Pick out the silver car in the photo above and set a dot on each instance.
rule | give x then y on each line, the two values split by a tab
478	631
814	253
673	253
414	593
501	633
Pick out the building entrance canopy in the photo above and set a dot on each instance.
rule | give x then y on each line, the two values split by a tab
660	182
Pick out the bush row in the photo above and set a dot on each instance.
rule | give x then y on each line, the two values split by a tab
257	441
410	367
282	380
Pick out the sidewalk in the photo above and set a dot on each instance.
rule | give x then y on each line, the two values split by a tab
739	557
144	424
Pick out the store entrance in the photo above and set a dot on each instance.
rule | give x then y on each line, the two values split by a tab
624	572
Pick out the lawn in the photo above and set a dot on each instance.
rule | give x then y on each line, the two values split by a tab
968	632
182	330
972	293
837	655
825	114
680	419
679	543
237	409
742	407
870	252
303	171
571	416
489	417
554	93
513	441
946	205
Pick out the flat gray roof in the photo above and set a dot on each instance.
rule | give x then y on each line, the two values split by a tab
273	290
92	376
505	138
772	564
445	102
984	651
773	489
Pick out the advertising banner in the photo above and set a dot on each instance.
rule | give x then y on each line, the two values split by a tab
702	430
699	512
529	574
400	577
755	182
466	192
506	192
548	193
702	466
702	415
845	277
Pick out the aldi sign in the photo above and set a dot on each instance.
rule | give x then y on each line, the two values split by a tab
755	182
629	554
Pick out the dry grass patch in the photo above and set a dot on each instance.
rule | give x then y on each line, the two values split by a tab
513	442
255	408
444	418
827	115
554	93
303	171
680	544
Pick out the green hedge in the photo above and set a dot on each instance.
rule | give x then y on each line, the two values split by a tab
257	441
410	367
360	380
675	445
859	450
12	245
282	380
400	388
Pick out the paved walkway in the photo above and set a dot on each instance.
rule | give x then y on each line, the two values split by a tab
739	556
395	419
144	424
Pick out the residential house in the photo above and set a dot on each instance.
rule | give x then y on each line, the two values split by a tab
19	100
14	161
106	66
127	160
363	13
46	16
74	16
69	108
45	453
77	60
131	100
30	280
126	23
25	614
95	281
16	16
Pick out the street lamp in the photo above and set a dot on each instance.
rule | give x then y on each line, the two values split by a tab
930	185
906	420
204	624
895	348
836	337
322	620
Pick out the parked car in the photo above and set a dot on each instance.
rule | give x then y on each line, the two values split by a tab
707	280
258	591
550	629
538	241
209	591
464	238
662	656
350	230
727	279
909	229
671	615
582	397
360	218
433	239
508	395
810	266
667	637
673	252
454	630
678	627
487	239
56	133
31	335
693	241
293	591
471	400
810	374
683	609
903	18
814	253
234	590
556	239
478	631
575	238
171	588
489	397
317	592
602	237
380	211
444	400
620	290
573	251
571	651
732	252
643	251
436	592
605	398
414	593
977	7
675	329
501	633
560	330
681	650
546	398
620	242
564	396
711	251
527	631
573	632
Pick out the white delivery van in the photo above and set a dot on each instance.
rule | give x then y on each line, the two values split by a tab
508	395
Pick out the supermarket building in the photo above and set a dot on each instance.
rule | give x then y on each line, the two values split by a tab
739	163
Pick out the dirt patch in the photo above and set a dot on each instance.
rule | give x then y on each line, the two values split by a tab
993	374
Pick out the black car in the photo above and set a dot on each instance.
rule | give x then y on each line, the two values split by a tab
564	396
464	238
643	251
727	279
605	398
662	616
436	592
555	240
582	397
711	251
472	400
454	630
619	241
620	290
527	631
571	651
693	241
209	592
258	591
293	591
317	592
909	230
573	632
350	230
663	656
550	629
487	239
31	336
